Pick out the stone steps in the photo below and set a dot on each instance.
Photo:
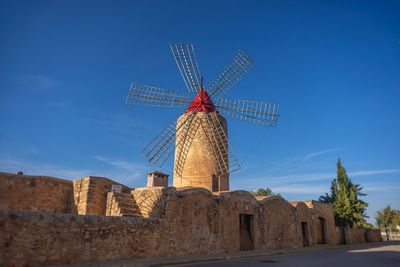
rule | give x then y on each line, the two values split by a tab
126	204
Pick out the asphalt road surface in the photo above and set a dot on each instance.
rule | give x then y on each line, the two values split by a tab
374	255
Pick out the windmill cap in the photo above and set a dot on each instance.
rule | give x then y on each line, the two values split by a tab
201	103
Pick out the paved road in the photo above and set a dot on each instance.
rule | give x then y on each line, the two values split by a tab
386	255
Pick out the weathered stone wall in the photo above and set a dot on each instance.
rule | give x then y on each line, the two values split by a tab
374	235
278	225
121	204
150	201
35	239
303	215
163	222
90	194
36	193
340	236
322	214
357	235
192	221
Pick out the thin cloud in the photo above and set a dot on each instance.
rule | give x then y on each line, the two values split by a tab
372	172
120	164
308	177
125	127
300	189
291	165
319	153
381	188
37	82
122	172
42	169
32	150
320	189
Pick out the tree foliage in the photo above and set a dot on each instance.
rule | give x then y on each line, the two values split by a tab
348	208
263	192
387	219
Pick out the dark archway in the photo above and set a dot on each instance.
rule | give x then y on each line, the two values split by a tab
246	232
321	231
304	231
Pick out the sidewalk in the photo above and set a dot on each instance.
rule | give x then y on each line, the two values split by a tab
177	260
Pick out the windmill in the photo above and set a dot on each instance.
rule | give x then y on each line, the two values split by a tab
199	137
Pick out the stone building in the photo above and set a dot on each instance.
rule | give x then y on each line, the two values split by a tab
156	178
46	220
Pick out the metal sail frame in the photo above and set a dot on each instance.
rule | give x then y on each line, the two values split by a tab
186	61
160	149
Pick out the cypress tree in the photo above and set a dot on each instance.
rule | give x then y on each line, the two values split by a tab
348	208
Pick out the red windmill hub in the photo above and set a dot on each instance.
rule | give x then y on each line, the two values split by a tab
201	103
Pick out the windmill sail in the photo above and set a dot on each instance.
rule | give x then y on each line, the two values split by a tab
187	133
236	70
257	112
145	95
185	58
226	161
160	149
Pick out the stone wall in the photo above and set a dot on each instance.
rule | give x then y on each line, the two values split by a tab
360	235
278	225
341	235
192	221
36	193
162	221
121	204
35	239
90	194
323	222
374	235
357	235
304	220
150	201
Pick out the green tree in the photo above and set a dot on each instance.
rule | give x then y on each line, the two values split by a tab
263	192
348	208
397	218
387	219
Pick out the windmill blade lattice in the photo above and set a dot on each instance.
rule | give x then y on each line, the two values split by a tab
188	133
185	58
225	159
145	95
236	70
161	148
256	112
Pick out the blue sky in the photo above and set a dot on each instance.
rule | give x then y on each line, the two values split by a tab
333	66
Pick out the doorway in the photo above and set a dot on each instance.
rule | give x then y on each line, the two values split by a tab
215	184
304	230
342	235
322	231
246	235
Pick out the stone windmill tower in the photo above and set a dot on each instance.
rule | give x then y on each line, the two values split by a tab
199	137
